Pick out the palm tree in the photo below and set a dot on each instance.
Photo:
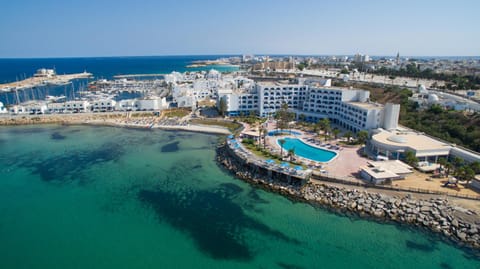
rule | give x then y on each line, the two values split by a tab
324	124
281	142
448	167
260	129
291	153
327	132
362	136
442	162
411	159
457	162
469	174
264	132
348	135
336	132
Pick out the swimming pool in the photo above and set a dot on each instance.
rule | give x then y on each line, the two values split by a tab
306	151
275	132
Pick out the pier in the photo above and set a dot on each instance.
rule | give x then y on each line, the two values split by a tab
41	81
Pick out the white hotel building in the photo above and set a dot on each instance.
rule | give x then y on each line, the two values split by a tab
348	108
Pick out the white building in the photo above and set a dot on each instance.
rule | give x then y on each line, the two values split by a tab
395	143
126	105
239	102
103	105
43	72
347	108
2	108
18	109
213	74
141	104
151	104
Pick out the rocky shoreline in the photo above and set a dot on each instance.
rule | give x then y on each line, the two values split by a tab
436	215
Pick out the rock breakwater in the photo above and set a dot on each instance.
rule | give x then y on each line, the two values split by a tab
436	214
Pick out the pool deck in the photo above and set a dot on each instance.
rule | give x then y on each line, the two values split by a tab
346	166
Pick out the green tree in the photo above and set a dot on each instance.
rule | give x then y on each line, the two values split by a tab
222	107
264	132
449	168
336	132
475	167
281	142
469	174
457	162
284	117
302	117
460	173
411	159
362	137
326	132
291	153
348	135
442	162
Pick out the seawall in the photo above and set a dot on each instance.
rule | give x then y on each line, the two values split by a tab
436	215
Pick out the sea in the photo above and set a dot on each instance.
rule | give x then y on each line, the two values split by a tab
107	197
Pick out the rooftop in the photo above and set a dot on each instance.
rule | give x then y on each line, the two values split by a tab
365	105
414	140
396	166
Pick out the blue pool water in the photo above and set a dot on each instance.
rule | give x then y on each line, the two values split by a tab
274	132
308	152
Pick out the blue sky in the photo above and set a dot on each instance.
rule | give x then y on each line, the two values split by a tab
52	28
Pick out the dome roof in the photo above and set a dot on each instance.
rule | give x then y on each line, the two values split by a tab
397	139
422	89
432	98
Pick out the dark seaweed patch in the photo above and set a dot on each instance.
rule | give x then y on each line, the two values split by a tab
253	195
230	189
425	247
288	266
57	136
445	265
171	147
69	166
215	223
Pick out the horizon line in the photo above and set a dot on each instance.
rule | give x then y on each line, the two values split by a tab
234	54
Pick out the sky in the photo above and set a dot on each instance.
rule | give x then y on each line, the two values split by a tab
53	28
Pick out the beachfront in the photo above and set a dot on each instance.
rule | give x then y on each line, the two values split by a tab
130	120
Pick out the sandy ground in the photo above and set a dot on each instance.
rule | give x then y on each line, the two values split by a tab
112	119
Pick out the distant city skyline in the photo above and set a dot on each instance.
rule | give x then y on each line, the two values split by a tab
54	28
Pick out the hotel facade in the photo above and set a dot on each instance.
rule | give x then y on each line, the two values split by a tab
348	108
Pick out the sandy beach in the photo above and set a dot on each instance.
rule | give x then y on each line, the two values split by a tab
123	119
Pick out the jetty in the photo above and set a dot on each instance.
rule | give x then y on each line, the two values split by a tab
42	78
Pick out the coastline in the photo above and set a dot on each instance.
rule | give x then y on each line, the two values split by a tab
110	119
435	214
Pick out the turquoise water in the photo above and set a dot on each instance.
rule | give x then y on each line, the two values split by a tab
306	151
99	197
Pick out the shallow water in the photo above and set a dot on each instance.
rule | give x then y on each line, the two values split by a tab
101	197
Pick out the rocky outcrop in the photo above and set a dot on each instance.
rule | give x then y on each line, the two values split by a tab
436	214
